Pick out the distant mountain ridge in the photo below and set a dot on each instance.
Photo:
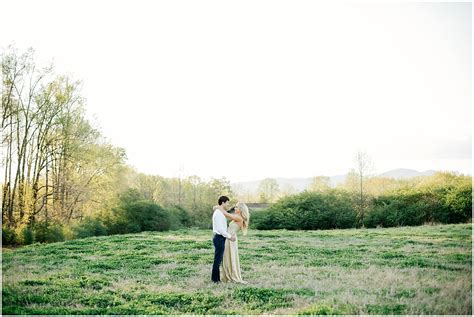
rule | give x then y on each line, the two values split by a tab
300	184
404	173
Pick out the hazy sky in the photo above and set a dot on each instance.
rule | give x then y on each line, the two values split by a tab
255	89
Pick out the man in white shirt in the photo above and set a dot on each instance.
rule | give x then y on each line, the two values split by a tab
219	228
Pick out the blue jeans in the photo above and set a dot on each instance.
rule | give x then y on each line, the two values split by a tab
219	246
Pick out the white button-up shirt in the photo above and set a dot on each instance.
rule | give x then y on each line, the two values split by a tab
219	224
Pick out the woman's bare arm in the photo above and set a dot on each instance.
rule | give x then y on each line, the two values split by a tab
236	218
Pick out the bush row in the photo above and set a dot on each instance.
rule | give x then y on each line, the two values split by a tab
338	209
308	211
129	217
38	232
332	209
443	205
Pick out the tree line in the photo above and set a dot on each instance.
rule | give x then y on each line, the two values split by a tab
61	178
58	169
54	160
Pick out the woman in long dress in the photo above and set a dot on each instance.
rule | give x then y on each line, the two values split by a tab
230	269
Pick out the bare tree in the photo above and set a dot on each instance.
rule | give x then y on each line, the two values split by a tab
268	190
364	168
320	184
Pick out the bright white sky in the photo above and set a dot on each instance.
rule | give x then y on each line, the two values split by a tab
255	89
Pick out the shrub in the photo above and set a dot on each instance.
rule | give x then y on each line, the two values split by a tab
8	236
458	201
201	216
179	218
89	227
148	216
442	204
24	234
308	211
137	216
68	233
257	218
45	232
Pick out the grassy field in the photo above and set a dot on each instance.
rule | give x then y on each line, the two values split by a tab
409	270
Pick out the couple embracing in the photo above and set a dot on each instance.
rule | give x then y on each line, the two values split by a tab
225	240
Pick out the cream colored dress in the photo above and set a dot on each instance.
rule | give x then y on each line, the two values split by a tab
230	269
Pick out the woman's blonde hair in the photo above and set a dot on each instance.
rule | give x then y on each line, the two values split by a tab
245	214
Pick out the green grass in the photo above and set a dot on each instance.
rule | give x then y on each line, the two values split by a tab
408	270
